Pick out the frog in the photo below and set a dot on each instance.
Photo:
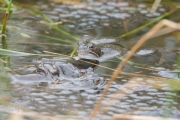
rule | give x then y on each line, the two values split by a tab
91	51
47	72
70	77
89	80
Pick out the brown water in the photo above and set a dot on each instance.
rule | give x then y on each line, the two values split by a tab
29	31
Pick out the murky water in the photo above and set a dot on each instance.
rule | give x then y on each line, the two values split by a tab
30	30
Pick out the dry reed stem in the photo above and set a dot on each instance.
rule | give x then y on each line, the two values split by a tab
139	75
150	69
4	24
3	61
116	97
134	117
163	31
128	56
122	73
54	84
125	26
51	44
155	6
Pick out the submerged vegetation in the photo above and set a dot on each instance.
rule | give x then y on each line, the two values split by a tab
140	85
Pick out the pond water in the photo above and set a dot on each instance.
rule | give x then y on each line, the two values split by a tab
148	87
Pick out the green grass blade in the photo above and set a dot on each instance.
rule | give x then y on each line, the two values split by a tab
37	12
147	24
17	53
53	38
5	18
9	6
1	8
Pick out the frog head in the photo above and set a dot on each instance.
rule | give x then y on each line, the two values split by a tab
88	51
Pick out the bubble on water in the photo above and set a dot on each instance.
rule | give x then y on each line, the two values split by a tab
103	11
38	99
51	105
140	79
95	16
145	97
91	96
167	74
73	97
84	94
162	9
131	9
150	81
119	4
149	15
103	17
120	15
38	94
116	11
82	26
91	23
146	51
50	96
45	113
65	15
77	16
31	107
159	68
89	102
134	96
112	89
144	11
156	14
142	104
141	5
77	105
70	26
167	88
66	92
109	8
97	4
153	107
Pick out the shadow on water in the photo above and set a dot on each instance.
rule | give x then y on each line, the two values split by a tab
149	87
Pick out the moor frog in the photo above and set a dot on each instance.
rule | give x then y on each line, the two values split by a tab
100	53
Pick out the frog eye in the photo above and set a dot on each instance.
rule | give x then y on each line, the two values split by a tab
96	82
